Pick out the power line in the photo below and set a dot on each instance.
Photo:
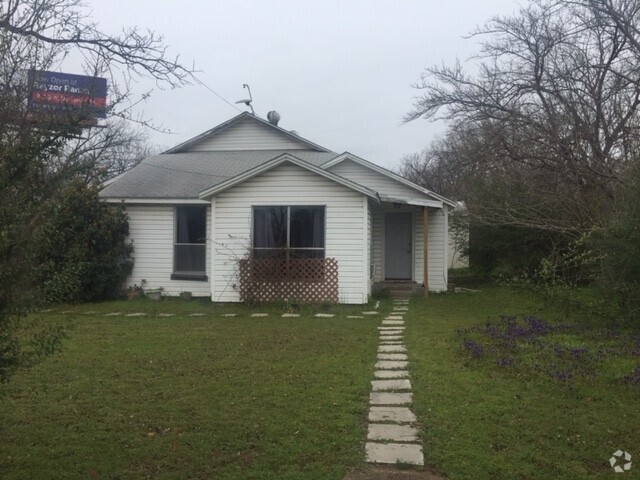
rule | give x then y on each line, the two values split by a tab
179	170
201	83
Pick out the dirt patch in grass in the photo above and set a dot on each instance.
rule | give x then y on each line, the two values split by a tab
393	473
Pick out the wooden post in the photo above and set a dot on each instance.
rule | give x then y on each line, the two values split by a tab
425	247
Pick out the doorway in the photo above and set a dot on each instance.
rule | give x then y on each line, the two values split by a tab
398	255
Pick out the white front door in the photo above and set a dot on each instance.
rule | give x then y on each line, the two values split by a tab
397	244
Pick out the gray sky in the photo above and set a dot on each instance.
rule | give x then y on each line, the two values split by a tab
338	72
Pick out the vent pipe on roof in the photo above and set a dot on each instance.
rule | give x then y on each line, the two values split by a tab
273	117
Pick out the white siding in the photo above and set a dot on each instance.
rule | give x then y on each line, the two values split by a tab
346	230
382	184
437	249
151	227
377	254
418	249
247	135
366	234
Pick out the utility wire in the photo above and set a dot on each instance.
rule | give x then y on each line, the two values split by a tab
191	172
201	83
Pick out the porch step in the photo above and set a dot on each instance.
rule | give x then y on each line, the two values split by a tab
399	288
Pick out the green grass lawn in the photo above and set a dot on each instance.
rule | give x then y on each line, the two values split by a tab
192	397
509	412
273	398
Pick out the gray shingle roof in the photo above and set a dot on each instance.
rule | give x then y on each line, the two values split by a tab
184	175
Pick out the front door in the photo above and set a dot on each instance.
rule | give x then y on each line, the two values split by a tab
397	245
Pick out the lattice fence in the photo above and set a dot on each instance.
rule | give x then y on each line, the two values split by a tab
306	280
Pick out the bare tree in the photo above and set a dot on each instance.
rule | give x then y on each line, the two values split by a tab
57	26
38	161
555	93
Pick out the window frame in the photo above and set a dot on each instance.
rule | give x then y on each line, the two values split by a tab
195	275
288	249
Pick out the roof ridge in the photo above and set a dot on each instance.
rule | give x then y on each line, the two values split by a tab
238	118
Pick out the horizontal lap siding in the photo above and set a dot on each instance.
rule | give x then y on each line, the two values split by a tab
247	135
374	180
377	231
437	250
151	229
291	185
418	241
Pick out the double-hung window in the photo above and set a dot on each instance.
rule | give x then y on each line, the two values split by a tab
190	248
289	232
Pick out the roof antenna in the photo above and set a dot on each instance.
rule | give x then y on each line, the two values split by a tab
247	101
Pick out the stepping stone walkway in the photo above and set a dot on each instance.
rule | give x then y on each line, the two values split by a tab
392	436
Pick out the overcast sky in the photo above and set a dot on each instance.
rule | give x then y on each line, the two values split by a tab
338	72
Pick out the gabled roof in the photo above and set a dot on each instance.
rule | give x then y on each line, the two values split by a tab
184	175
285	158
234	121
383	171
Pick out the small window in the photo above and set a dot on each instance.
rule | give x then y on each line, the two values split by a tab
289	232
190	248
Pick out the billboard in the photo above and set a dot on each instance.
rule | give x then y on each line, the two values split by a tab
65	97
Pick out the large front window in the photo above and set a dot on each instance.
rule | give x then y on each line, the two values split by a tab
190	248
288	232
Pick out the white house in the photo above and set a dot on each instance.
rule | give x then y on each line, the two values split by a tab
326	225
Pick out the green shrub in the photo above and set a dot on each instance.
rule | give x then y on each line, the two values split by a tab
80	247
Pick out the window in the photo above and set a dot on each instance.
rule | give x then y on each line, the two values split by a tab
190	248
288	232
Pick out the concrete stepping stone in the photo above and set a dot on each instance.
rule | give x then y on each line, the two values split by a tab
391	374
324	315
392	356
390	385
394	433
402	301
391	328
229	314
112	314
370	313
136	314
291	315
400	308
393	322
394	331
197	314
392	342
391	365
392	349
394	317
355	316
394	453
90	312
259	314
390	398
392	337
391	414
166	314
